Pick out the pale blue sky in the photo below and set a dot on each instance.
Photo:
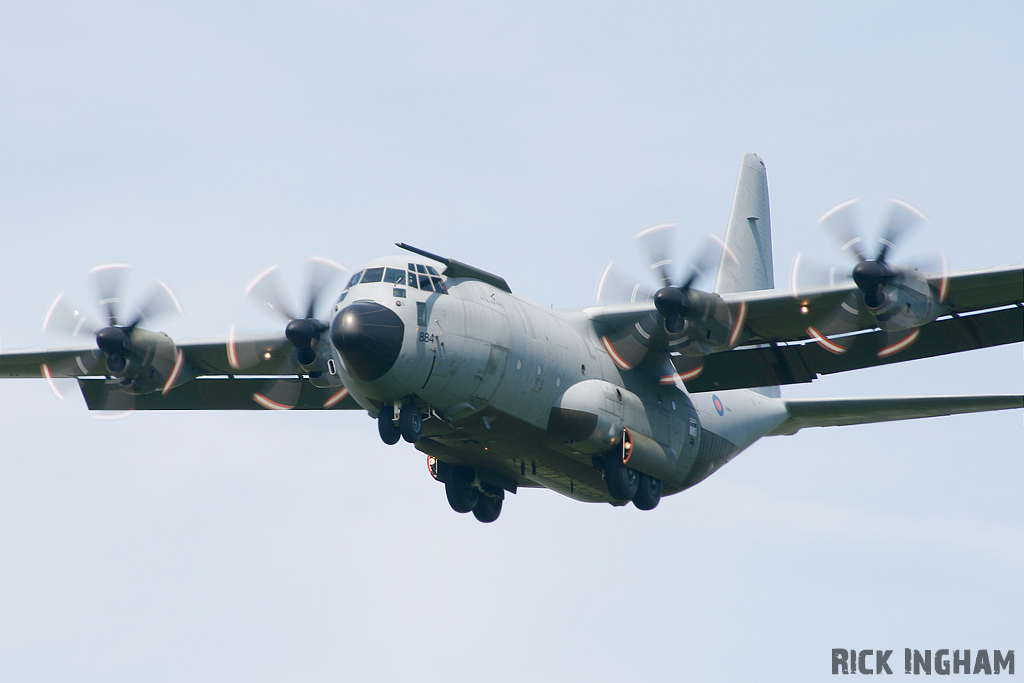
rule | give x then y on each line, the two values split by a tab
204	141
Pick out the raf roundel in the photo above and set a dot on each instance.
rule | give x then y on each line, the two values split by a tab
719	408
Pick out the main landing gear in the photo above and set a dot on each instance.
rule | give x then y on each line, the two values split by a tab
625	483
465	493
408	426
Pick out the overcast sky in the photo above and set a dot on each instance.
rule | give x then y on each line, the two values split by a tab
203	141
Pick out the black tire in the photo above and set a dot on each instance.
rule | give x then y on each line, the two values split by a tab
648	493
622	481
389	433
410	423
487	509
461	495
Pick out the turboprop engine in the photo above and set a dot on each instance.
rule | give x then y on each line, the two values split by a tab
700	322
142	361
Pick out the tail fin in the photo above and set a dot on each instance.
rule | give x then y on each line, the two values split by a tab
747	261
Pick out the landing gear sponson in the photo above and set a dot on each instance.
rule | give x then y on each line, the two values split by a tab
465	491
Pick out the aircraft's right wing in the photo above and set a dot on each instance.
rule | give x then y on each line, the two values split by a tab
223	373
833	412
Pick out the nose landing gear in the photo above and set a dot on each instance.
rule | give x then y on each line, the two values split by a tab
389	432
408	426
410	423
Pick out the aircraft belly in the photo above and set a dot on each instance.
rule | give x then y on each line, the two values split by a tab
511	448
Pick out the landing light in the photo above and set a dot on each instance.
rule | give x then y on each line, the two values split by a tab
266	356
803	309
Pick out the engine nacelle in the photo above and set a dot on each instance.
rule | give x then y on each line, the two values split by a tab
154	364
319	370
711	325
910	301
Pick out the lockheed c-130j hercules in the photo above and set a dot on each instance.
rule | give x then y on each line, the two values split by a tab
620	402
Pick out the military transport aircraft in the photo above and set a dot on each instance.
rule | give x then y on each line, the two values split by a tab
628	400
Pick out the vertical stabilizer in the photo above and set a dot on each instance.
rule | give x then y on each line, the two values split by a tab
747	263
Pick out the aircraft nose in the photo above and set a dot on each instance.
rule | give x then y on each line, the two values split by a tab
369	336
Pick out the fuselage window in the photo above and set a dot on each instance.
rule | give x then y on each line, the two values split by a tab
430	269
394	276
354	280
420	268
412	278
425	283
439	286
372	275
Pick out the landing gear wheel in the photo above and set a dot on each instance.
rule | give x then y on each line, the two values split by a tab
621	480
487	509
410	423
389	433
462	496
648	493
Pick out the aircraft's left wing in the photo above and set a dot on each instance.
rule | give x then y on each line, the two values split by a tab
984	308
779	315
778	363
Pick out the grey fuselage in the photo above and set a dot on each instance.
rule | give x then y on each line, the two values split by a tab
529	396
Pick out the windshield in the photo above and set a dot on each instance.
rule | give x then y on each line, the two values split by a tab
417	276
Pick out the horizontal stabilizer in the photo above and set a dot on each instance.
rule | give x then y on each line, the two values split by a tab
834	412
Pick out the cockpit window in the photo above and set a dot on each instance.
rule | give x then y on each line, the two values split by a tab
394	276
372	275
418	276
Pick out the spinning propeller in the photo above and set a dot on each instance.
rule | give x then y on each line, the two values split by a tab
129	351
303	330
690	322
898	299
